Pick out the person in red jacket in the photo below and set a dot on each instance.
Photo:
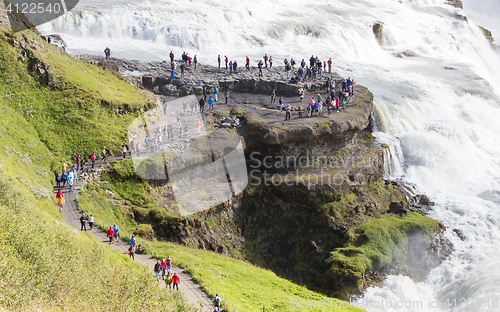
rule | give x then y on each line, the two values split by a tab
60	200
111	234
176	281
164	268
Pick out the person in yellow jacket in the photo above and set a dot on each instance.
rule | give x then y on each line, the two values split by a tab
168	281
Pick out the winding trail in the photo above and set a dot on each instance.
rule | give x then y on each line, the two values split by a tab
71	216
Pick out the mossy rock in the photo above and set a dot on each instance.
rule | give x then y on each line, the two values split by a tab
145	230
487	34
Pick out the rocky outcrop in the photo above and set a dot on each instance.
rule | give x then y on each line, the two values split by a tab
456	3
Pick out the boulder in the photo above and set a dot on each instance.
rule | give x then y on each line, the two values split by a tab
141	248
400	208
169	90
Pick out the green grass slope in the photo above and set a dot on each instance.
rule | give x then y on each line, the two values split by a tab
83	111
44	264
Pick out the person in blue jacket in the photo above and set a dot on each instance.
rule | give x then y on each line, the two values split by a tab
117	231
210	103
172	76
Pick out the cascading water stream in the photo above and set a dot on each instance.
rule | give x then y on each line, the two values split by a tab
437	112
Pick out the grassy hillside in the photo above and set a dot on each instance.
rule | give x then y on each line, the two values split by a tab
83	112
44	264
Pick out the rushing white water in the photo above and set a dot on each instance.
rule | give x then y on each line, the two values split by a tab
441	110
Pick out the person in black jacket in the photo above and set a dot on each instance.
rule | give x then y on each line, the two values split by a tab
158	269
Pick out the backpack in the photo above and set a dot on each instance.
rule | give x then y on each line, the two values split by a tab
217	301
68	178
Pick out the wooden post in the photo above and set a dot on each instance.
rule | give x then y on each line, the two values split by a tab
264	309
184	265
152	251
209	290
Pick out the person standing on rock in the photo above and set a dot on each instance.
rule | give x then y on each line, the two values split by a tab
195	61
210	103
60	200
83	225
270	62
158	270
281	103
226	95
216	93
235	67
247	61
110	234
204	92
259	65
226	60
288	110
172	66
107	53
330	66
265	57
176	281
171	57
288	68
218	60
91	222
273	97
172	77
183	67
78	161
230	67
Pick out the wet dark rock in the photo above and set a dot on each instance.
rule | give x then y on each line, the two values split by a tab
460	234
400	208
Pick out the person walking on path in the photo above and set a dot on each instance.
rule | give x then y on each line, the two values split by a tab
131	252
60	200
273	97
183	67
217	301
169	264
110	234
93	157
211	103
91	222
71	181
104	154
78	161
158	270
176	281
116	231
202	104
204	92
58	180
218	60
281	103
163	268
132	241
168	281
301	94
64	179
226	95
198	125
216	93
195	60
64	167
124	151
83	225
